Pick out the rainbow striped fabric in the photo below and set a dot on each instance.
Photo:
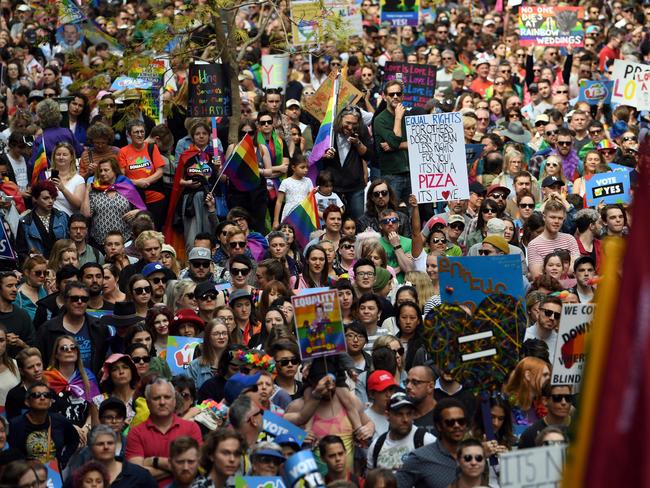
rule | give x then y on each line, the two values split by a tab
40	165
304	219
242	168
325	134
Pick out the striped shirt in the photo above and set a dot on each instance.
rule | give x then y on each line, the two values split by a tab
540	247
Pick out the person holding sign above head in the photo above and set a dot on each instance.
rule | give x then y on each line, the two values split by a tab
390	137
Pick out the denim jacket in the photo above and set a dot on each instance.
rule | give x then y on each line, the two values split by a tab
29	237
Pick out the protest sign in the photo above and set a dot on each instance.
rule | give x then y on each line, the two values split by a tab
473	152
612	187
319	326
595	92
317	105
468	280
570	349
344	16
436	148
6	251
259	482
551	26
274	70
274	425
153	72
619	167
209	91
304	25
180	352
419	81
400	12
127	83
538	467
302	467
631	84
53	474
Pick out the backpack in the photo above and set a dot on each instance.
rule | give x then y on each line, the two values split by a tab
418	441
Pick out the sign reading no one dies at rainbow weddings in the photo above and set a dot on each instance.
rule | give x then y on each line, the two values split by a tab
438	166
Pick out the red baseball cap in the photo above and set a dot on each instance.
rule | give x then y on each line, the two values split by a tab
380	379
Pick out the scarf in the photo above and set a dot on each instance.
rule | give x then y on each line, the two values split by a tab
275	148
124	187
58	383
570	165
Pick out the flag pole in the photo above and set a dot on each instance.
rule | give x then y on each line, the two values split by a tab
223	170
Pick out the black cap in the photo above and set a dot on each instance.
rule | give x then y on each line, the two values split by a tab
113	403
476	187
552	180
203	288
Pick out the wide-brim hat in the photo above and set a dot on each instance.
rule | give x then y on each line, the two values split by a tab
183	316
123	315
114	358
516	132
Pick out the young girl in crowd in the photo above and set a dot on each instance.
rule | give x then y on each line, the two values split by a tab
293	190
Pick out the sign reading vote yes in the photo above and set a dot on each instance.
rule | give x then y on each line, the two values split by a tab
608	188
436	148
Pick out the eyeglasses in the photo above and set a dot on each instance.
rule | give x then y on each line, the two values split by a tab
527	205
239	271
595	132
68	348
484	252
111	418
628	139
551	313
564	143
354	337
461	421
347	247
416	383
265	122
208	297
489	211
468	458
499	83
140	359
287	361
185	395
562	92
399	351
40	394
389	220
497	195
200	264
550	132
219	334
142	290
157	281
439	240
237	244
79	298
380	193
394	94
552	165
457	226
567	397
190	295
366	274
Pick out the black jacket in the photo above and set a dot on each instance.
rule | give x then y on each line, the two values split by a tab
46	309
129	271
99	335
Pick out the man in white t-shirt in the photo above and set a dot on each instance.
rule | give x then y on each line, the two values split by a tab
548	321
381	386
389	449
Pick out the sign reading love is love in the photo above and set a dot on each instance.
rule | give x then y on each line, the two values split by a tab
631	84
436	147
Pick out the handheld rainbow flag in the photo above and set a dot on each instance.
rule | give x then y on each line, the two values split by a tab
304	218
242	168
40	164
324	139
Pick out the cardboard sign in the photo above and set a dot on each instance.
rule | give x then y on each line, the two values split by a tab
127	83
436	147
538	467
468	280
209	91
570	349
304	14
180	352
612	187
399	13
345	16
319	326
551	26
302	467
317	105
595	92
259	482
274	425
419	81
274	70
631	84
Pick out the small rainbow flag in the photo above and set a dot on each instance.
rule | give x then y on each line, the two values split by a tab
304	218
242	168
324	139
40	165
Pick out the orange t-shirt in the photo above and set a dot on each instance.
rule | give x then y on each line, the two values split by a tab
136	164
480	86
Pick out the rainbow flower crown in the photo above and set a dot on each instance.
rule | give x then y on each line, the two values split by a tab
255	359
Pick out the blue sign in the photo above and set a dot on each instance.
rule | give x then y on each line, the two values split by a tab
302	467
619	167
6	251
128	83
259	482
473	152
613	187
468	280
274	425
180	352
595	92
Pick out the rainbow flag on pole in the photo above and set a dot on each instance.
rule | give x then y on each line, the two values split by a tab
40	164
242	168
324	139
304	219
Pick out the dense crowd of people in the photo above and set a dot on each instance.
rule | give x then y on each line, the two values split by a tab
133	235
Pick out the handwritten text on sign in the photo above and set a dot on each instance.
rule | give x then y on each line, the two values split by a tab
436	148
631	84
570	350
539	467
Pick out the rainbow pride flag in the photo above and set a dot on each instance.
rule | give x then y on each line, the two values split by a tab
324	139
40	164
304	219
242	168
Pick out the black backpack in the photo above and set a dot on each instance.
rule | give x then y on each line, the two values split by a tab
418	441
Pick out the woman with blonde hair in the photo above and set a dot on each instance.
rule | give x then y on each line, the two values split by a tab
63	252
9	374
524	389
182	295
513	163
32	289
552	167
423	284
68	181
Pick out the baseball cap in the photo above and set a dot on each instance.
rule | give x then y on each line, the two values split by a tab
476	187
152	268
495	226
542	118
199	253
494	188
399	400
379	380
239	383
499	242
292	103
203	288
458	75
23	8
456	218
436	221
237	294
245	75
169	249
287	440
552	180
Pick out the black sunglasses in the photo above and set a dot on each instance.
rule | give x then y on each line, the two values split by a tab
239	271
208	296
527	205
461	421
40	394
140	359
457	226
551	313
157	281
200	264
468	458
237	244
287	361
79	298
380	193
567	397
141	290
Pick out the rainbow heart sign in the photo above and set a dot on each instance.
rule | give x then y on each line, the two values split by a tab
180	352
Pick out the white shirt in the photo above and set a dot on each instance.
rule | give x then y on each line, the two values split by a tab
20	170
393	452
61	202
534	332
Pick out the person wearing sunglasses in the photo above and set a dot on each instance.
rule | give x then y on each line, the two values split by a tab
471	460
287	361
477	230
548	321
32	290
381	196
39	422
139	292
434	465
158	276
558	400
